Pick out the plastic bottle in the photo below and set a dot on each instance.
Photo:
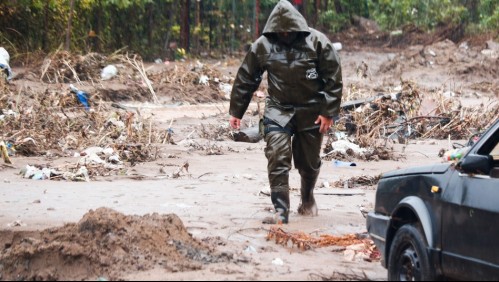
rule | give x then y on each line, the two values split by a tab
456	154
81	95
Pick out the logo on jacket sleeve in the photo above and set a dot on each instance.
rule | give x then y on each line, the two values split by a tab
312	74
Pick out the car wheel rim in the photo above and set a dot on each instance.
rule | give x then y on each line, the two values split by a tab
409	265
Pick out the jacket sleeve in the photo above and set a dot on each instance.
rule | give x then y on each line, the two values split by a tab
330	72
248	78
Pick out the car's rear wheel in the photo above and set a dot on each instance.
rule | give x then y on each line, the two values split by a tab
408	259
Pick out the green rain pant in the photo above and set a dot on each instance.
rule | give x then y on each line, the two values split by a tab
285	145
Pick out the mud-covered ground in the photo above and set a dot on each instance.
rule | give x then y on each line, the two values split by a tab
193	210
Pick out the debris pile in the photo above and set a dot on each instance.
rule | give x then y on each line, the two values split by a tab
181	81
358	181
371	123
65	67
447	53
56	124
106	244
352	244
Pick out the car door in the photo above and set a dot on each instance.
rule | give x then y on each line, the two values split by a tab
470	222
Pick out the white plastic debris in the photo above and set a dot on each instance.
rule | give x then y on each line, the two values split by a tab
250	249
91	159
343	145
449	94
29	171
203	80
4	62
115	160
338	46
82	172
493	54
109	72
108	151
226	89
91	151
278	262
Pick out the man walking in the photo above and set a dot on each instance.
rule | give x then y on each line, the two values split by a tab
305	90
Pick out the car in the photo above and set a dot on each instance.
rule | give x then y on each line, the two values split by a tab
441	221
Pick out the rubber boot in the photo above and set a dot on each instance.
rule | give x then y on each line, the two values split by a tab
280	200
308	207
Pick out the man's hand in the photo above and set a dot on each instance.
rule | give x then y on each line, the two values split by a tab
325	123
235	122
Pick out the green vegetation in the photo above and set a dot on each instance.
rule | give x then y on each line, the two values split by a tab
156	28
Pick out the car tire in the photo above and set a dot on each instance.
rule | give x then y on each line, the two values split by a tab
408	259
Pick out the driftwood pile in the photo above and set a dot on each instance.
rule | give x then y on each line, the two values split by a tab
374	122
192	83
55	124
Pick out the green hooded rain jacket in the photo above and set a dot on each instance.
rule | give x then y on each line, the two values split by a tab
304	78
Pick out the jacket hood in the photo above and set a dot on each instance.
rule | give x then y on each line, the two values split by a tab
285	18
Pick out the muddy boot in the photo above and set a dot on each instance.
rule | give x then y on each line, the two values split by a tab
280	200
308	207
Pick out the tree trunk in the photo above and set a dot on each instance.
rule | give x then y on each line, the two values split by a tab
257	16
70	22
472	6
198	27
97	26
150	24
169	48
185	27
338	7
45	26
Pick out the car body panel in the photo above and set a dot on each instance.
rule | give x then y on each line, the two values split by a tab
457	211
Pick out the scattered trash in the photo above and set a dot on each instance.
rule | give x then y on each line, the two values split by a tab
338	46
345	146
46	173
278	262
455	154
4	63
81	95
358	243
17	223
249	135
449	94
358	181
338	163
109	72
203	80
250	249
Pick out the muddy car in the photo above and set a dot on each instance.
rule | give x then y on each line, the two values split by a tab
441	221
